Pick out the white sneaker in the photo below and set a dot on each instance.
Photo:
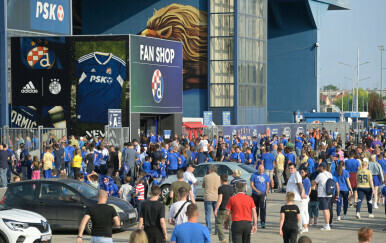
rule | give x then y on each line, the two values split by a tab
345	217
358	215
305	230
371	215
375	205
326	228
338	218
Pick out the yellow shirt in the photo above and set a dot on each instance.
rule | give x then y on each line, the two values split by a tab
48	159
280	161
77	161
363	178
304	160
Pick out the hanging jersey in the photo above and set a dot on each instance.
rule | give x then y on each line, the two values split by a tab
101	76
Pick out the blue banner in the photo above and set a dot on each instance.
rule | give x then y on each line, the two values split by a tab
51	16
246	133
207	118
115	118
226	118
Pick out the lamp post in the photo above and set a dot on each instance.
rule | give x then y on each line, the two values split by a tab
381	49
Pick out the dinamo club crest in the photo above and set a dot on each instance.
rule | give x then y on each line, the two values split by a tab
40	57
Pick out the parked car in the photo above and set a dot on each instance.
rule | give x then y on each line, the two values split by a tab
63	202
203	169
23	226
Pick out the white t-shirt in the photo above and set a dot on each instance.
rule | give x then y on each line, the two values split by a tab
126	189
321	179
191	179
182	217
105	152
204	145
292	187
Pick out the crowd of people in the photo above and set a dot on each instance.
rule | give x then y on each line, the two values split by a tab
313	169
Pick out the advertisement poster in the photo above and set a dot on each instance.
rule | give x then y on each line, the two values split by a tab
208	118
155	76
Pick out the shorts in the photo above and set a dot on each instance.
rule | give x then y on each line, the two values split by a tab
376	180
324	203
269	173
313	209
353	179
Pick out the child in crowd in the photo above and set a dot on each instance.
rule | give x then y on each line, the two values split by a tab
125	192
93	180
54	173
115	186
289	218
146	166
29	164
80	177
313	206
35	168
16	179
63	175
140	194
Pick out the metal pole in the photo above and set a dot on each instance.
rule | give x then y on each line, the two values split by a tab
342	99
381	49
356	105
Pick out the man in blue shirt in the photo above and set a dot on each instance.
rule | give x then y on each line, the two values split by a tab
299	144
240	156
152	138
191	231
284	140
382	162
260	187
268	160
232	157
250	159
201	157
68	155
173	161
352	166
312	142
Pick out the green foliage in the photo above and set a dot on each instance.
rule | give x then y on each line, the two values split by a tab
363	98
376	110
330	87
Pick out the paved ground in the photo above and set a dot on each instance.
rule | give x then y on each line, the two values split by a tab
343	231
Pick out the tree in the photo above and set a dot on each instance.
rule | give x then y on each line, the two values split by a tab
363	98
376	110
330	87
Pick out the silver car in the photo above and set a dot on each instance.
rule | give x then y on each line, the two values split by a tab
203	169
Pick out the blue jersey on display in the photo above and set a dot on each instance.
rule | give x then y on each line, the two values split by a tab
101	76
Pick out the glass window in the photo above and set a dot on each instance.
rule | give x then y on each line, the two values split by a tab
221	6
221	72
223	169
84	189
221	48
221	95
247	168
54	191
201	171
221	25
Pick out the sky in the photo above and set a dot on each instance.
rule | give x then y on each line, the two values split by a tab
342	32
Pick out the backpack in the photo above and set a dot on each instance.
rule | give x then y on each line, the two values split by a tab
330	186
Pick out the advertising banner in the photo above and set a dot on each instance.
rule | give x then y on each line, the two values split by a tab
208	118
115	118
40	74
226	118
46	16
246	133
155	76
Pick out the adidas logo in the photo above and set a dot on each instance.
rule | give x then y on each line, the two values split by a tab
93	70
29	89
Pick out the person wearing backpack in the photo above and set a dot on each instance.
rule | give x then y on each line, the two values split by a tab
326	186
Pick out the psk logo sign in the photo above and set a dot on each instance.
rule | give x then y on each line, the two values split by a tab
40	57
55	86
60	13
157	86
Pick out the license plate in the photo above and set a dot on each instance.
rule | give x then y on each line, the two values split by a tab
45	238
132	215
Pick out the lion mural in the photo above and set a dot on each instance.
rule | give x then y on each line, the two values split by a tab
188	25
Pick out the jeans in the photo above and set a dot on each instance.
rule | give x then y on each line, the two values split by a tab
68	169
24	172
304	213
221	214
298	152
260	203
209	205
343	199
3	176
313	209
362	192
101	239
241	231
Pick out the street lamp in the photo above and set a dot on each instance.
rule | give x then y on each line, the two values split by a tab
381	49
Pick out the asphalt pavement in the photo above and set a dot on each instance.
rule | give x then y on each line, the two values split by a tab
342	231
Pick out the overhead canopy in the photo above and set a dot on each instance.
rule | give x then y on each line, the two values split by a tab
193	125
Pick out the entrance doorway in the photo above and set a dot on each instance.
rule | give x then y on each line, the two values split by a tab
149	123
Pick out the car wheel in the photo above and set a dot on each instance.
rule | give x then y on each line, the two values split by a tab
165	189
88	227
2	239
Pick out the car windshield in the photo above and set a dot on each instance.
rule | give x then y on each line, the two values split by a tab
247	168
84	189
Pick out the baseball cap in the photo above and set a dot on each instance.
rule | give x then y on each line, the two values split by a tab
289	145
